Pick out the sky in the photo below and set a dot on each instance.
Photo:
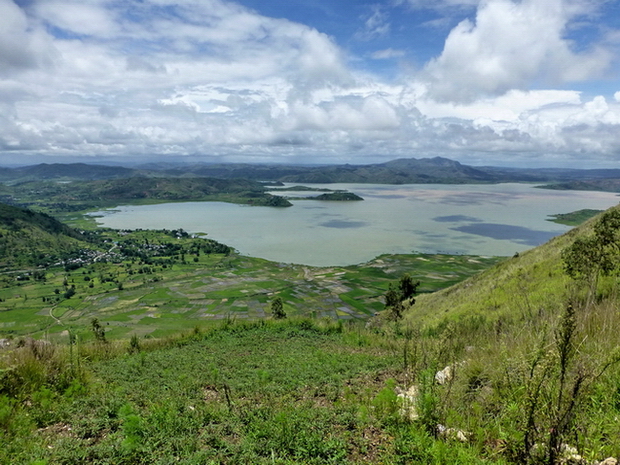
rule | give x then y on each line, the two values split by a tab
525	83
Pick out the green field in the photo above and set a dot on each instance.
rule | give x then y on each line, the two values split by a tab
184	290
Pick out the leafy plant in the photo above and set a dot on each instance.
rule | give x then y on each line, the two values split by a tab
396	296
277	308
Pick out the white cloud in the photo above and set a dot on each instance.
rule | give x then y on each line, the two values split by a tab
507	107
387	54
211	77
376	24
364	114
79	17
509	46
21	47
320	61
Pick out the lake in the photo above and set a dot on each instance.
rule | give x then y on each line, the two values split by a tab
498	219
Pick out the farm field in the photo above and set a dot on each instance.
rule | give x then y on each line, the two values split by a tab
183	291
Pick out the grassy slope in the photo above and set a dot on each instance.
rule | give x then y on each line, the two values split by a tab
574	218
27	237
517	287
503	329
291	392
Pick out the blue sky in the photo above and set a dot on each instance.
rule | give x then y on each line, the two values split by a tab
486	82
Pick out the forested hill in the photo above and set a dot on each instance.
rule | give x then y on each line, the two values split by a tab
29	238
17	219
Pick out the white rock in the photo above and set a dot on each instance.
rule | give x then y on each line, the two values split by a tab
408	402
453	433
445	375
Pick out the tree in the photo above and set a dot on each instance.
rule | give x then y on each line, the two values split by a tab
590	257
395	296
392	296
408	288
277	308
70	292
97	330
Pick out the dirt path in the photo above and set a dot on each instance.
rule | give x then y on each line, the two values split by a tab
52	315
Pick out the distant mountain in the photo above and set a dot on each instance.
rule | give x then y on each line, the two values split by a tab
400	171
551	174
61	171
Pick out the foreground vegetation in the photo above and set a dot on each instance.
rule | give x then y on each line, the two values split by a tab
319	391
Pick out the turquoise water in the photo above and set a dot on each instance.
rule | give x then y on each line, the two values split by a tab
496	219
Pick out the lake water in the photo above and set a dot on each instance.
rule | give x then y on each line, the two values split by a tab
498	219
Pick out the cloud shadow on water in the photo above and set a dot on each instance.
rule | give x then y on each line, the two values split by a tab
517	234
342	224
456	219
385	196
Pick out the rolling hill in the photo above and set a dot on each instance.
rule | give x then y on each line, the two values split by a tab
29	238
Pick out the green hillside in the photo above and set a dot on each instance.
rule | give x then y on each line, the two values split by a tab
29	238
516	289
53	196
533	353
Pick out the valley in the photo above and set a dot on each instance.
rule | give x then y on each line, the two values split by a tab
156	283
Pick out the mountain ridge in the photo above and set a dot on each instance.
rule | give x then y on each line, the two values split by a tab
398	171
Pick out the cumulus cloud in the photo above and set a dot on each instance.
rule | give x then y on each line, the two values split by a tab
214	78
146	72
20	47
508	46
